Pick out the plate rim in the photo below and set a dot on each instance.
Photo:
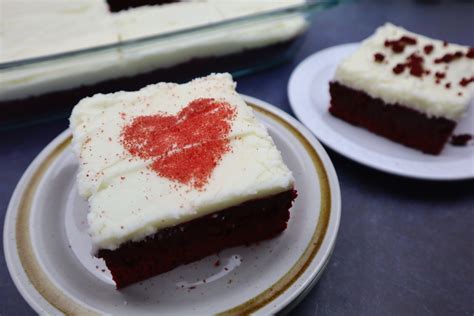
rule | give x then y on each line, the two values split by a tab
41	305
413	173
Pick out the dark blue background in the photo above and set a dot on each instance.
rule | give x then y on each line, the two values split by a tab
404	246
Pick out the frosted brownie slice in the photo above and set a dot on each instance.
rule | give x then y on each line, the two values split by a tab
174	173
407	87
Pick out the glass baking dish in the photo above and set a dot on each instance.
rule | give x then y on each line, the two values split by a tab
45	88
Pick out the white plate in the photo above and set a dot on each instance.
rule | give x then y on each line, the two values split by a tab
47	248
308	92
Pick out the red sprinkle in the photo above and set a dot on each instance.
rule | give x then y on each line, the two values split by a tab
428	49
448	85
461	139
445	43
399	68
379	57
185	147
398	46
415	63
440	75
470	53
465	81
449	57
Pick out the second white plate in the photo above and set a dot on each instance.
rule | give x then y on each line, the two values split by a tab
308	92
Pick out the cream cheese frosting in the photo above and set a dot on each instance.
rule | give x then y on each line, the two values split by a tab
45	27
128	200
428	93
82	24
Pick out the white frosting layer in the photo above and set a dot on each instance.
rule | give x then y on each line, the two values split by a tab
87	23
155	20
129	201
359	71
45	27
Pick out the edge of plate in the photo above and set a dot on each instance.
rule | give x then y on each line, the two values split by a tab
58	301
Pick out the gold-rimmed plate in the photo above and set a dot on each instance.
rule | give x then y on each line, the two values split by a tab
47	248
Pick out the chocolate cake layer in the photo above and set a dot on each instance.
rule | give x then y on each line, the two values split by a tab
119	5
246	223
45	106
394	121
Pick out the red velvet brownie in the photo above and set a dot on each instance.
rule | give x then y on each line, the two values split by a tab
174	173
405	87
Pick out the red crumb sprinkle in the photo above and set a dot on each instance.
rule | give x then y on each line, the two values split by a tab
437	81
408	40
449	57
185	147
465	81
461	139
122	178
415	63
445	43
399	68
428	49
379	57
440	75
459	93
217	263
448	85
398	46
470	52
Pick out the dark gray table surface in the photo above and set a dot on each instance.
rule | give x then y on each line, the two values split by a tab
405	247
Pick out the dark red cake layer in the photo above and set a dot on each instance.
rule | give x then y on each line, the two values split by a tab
394	121
60	103
119	5
246	223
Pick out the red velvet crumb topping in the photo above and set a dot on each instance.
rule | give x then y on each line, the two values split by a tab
379	57
461	139
465	81
448	85
428	49
440	75
185	147
398	46
470	53
414	62
449	57
399	68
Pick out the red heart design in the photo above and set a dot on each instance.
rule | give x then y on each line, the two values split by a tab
185	147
